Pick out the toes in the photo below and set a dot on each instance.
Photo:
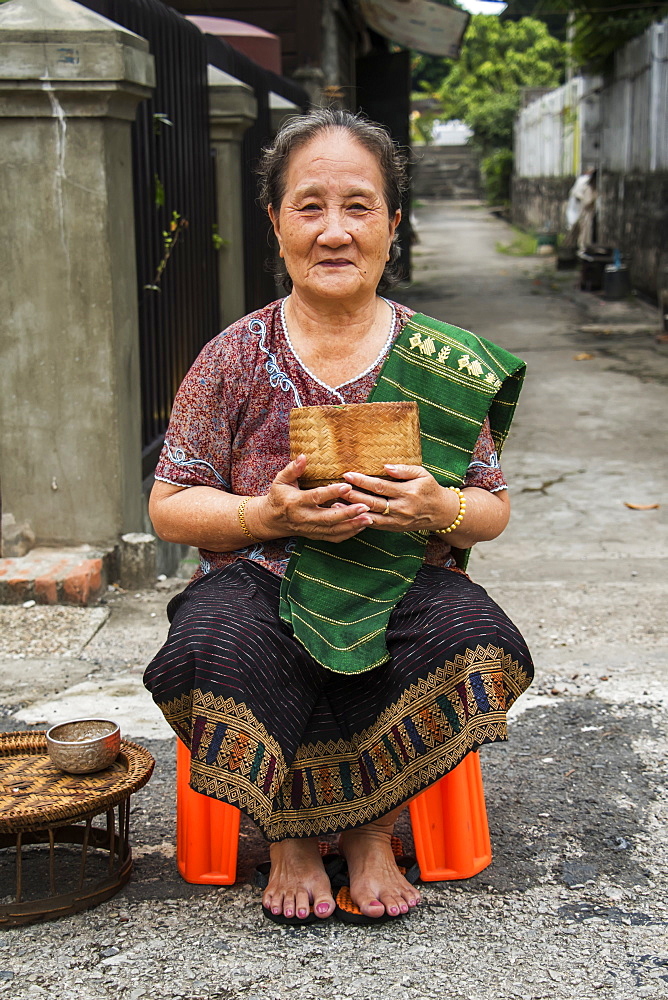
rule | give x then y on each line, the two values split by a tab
393	903
273	901
302	904
323	906
409	895
372	908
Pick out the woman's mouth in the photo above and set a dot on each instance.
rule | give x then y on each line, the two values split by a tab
340	262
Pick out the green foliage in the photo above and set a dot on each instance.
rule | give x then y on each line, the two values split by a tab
515	10
216	239
158	192
498	58
497	169
522	244
428	72
599	30
158	121
170	238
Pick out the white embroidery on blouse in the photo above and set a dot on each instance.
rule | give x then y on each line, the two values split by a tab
178	457
492	464
276	376
252	551
383	351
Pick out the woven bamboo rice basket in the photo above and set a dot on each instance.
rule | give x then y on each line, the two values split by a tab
356	437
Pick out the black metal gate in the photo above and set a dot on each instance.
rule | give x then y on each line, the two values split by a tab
383	92
260	286
175	216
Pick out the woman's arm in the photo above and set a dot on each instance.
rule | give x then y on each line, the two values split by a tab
208	518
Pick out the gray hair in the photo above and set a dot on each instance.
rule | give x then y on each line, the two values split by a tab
299	131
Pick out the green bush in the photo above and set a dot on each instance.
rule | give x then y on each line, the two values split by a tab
497	169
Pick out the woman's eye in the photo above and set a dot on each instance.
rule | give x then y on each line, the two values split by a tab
312	207
358	207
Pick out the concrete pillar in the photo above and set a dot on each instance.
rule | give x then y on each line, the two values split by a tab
312	79
232	109
70	448
281	110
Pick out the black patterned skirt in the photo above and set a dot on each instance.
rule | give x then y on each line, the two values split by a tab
304	751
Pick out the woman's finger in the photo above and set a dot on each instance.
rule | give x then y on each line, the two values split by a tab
376	504
374	484
289	475
407	471
325	494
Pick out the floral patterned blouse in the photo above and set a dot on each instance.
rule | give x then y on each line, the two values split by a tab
229	423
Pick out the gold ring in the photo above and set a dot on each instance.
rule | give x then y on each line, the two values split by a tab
387	507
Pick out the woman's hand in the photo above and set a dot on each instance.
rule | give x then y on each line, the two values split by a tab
287	510
418	503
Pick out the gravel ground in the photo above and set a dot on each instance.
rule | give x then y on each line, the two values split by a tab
33	630
575	902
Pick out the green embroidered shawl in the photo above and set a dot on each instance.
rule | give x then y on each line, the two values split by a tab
338	597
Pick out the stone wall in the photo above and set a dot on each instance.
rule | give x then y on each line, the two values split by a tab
446	172
540	202
632	215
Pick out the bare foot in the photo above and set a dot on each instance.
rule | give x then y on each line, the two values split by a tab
297	880
376	884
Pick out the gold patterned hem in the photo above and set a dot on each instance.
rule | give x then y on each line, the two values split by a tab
339	784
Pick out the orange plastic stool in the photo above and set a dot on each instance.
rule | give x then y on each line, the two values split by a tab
450	829
207	831
449	821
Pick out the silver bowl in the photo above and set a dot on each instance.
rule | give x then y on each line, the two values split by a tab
82	746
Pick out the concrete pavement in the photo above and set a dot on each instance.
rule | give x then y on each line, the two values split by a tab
575	903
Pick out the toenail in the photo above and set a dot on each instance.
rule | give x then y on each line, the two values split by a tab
276	909
288	913
302	913
404	908
394	909
322	907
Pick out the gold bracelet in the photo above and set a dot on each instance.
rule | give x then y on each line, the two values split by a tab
460	513
242	520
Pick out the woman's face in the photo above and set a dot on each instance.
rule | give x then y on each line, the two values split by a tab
333	227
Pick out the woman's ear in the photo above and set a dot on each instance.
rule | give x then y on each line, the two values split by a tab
274	218
394	222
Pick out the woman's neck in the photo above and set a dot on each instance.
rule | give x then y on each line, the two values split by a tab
334	341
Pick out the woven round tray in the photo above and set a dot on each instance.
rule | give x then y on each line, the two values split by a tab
35	794
356	437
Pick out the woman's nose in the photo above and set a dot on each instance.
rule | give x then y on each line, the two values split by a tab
334	232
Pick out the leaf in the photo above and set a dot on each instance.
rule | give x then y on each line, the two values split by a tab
584	356
641	506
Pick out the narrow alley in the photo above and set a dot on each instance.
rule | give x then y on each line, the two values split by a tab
575	903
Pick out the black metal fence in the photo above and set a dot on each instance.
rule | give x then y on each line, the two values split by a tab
174	201
260	286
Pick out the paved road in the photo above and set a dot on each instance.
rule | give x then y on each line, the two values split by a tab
575	903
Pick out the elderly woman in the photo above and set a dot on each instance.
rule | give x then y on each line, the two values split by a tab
312	696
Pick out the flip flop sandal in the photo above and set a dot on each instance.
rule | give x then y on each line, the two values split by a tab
333	863
397	845
349	913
